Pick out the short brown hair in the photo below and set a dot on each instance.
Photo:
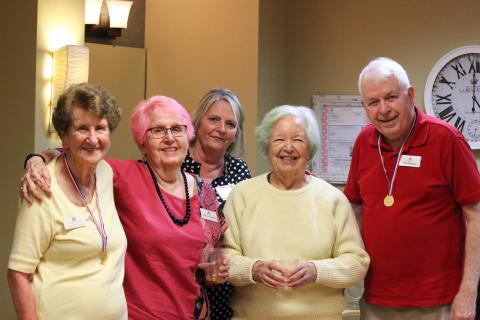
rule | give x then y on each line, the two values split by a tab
89	97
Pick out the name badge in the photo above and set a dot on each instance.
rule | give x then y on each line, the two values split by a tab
224	191
208	215
410	161
73	223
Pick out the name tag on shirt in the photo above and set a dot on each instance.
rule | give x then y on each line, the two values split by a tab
74	222
208	215
224	191
410	161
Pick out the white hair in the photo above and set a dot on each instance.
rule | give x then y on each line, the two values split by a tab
381	69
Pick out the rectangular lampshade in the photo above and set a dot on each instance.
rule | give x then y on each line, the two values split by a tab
70	65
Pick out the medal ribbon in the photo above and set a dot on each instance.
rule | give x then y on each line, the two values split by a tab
100	226
391	183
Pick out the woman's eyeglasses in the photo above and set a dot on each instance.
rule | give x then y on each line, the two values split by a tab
161	132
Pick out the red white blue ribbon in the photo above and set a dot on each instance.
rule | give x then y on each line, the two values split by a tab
99	224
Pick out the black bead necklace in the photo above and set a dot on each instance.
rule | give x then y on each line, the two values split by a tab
175	220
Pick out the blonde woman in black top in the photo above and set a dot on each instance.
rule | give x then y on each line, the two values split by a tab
213	155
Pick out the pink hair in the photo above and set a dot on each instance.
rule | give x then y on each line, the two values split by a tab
160	106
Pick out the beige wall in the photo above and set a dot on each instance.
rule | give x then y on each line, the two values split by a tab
17	89
33	29
121	71
193	46
59	23
272	62
331	41
312	47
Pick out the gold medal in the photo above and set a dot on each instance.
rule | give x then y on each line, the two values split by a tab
388	201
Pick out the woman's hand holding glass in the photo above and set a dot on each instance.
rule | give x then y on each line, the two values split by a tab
215	265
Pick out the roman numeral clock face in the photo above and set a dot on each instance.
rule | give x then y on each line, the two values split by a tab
452	92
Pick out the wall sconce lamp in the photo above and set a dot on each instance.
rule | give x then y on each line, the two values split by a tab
100	24
70	65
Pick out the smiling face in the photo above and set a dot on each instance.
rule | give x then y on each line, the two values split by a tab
169	151
288	149
218	127
389	108
87	140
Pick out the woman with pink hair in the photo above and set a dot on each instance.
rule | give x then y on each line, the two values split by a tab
159	207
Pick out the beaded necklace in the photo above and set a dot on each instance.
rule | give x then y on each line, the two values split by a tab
175	220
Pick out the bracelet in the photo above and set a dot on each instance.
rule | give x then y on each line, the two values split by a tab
31	155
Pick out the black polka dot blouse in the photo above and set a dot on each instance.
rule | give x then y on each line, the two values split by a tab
234	171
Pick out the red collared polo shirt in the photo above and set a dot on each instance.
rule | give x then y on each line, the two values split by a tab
417	245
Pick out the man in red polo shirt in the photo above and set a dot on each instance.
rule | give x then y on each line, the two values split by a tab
415	187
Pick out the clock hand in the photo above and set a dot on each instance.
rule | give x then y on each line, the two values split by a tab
474	98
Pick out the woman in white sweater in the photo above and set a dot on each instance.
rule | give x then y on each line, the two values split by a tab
285	215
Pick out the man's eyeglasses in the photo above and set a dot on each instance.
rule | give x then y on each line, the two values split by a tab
161	132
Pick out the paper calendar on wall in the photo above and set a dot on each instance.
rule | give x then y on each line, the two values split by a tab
340	118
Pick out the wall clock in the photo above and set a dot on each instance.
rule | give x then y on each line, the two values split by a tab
452	92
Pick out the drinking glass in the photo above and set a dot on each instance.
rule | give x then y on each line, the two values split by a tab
213	257
288	264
